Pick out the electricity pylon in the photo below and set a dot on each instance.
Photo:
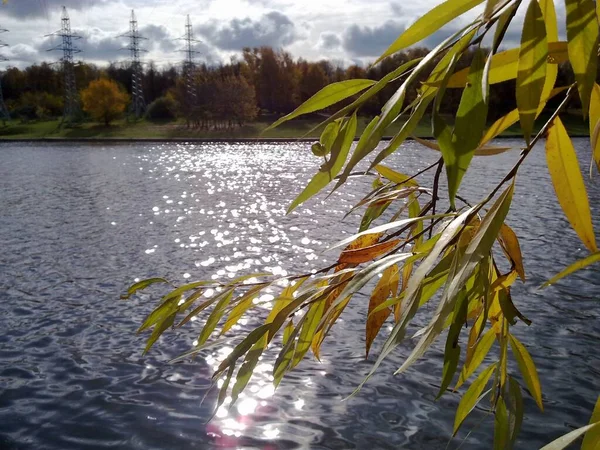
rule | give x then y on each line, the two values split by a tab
189	64
138	104
4	115
71	99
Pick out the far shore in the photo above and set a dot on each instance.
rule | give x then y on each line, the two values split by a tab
299	130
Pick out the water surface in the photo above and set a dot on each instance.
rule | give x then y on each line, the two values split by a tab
78	223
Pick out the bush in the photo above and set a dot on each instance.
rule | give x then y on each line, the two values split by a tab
163	108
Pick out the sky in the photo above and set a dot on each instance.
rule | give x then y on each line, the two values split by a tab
344	31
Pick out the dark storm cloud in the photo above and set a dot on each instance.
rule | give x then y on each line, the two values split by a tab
158	38
371	41
42	8
329	41
273	29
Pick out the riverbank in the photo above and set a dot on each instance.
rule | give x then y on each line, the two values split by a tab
122	131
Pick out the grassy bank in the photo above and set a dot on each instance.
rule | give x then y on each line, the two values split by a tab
177	129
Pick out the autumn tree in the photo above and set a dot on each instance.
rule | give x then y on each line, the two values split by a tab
104	100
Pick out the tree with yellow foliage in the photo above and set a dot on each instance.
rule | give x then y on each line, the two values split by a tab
104	100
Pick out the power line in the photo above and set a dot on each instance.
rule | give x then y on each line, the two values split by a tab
3	110
71	107
138	105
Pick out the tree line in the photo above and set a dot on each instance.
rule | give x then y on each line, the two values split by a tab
262	81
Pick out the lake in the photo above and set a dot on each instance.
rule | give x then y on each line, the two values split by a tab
80	222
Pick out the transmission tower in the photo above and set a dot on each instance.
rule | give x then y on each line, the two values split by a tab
71	106
4	115
138	104
189	64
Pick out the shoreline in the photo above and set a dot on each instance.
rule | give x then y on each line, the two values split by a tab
204	140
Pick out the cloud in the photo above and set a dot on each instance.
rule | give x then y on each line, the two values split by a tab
273	29
396	8
329	41
371	41
158	37
41	8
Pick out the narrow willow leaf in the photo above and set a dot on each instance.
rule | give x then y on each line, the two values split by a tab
509	309
242	348
385	227
287	332
165	309
247	368
475	356
142	285
582	34
568	183
512	248
486	150
549	13
501	426
387	285
502	25
452	349
284	359
329	171
468	130
329	95
595	124
505	65
591	441
528	370
566	440
328	136
505	122
159	329
472	397
309	327
430	23
490	9
215	317
367	254
514	403
395	177
531	74
244	303
578	265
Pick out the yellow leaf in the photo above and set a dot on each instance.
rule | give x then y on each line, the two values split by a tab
591	441
505	65
568	182
582	34
476	352
578	265
531	74
387	285
472	397
365	254
512	249
484	150
595	124
429	23
395	177
528	370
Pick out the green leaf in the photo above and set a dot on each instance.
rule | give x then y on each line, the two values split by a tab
244	303
528	370
329	171
284	359
595	125
501	426
591	441
309	328
215	316
452	349
566	440
568	183
165	309
531	74
142	285
514	404
318	149
247	368
468	130
482	348
472	397
582	35
159	329
430	23
329	135
327	96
